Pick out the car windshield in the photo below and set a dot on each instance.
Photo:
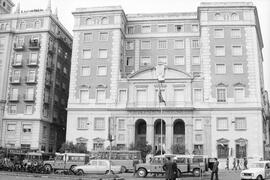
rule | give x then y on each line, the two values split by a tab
257	165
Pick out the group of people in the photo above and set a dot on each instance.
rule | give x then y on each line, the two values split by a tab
171	171
237	164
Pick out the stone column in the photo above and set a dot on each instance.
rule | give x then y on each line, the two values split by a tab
207	137
169	137
189	137
131	134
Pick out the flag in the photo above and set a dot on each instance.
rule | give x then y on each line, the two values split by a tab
161	100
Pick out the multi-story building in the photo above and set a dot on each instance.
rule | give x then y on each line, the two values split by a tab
6	6
39	58
213	84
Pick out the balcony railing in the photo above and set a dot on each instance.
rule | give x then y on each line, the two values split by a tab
51	49
18	46
48	83
153	104
15	80
32	63
28	98
30	80
17	63
13	97
34	44
49	66
47	100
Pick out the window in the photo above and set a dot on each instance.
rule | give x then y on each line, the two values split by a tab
37	24
85	71
222	123
122	96
179	28
121	124
103	36
162	44
88	37
31	76
198	137
239	94
130	45
179	60
130	30
65	70
220	69
130	61
33	58
27	128
82	123
221	95
198	95
16	76
18	59
195	27
238	68
162	28
237	50
87	53
28	109
145	44
30	93
198	124
162	60
235	17
141	96
2	42
89	21
101	96
218	17
84	96
236	33
44	132
103	53
104	20
196	60
102	70
13	109
99	124
121	137
145	60
195	44
179	44
11	127
219	33
25	146
146	29
222	151
240	123
14	94
198	149
220	51
179	95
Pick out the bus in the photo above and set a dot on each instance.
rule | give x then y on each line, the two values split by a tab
119	157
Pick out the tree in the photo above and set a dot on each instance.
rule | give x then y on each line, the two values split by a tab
73	148
178	149
142	146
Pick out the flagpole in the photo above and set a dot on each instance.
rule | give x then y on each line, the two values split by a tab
161	126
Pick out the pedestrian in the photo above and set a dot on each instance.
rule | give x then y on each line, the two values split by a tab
135	162
245	163
238	164
170	168
234	164
215	170
227	164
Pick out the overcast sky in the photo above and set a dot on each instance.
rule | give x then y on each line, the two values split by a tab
65	7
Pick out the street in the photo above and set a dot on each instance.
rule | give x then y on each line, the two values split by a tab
224	175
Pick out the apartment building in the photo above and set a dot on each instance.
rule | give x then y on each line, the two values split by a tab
37	58
213	81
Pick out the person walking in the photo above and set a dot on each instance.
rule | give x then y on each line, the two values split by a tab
215	170
227	164
245	163
135	162
234	164
170	168
238	164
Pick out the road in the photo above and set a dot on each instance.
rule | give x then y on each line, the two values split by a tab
231	175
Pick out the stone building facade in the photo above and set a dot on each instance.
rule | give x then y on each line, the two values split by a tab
213	87
36	60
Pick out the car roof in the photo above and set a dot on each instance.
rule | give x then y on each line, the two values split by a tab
262	162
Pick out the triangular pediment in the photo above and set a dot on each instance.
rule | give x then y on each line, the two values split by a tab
150	74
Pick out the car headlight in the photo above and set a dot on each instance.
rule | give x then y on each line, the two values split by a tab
252	174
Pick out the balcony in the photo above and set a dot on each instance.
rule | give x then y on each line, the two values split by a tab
15	80
156	105
49	66
47	100
34	44
16	63
30	80
29	98
48	83
13	98
32	62
18	46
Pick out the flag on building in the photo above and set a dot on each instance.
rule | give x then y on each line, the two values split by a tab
161	99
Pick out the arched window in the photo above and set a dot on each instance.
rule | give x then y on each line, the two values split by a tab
22	25
235	17
37	24
89	21
218	16
104	20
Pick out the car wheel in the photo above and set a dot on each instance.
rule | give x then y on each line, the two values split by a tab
196	172
123	169
48	168
80	172
259	177
72	168
107	172
142	172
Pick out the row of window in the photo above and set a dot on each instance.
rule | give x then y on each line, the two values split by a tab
28	109
220	16
97	20
240	123
236	50
235	33
18	58
16	76
221	94
161	28
86	71
237	68
26	128
29	94
30	24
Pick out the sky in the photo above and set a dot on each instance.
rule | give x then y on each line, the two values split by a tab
66	7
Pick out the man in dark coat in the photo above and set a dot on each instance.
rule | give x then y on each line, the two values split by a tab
215	169
170	169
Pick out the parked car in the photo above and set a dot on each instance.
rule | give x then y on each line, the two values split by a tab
257	170
97	166
66	161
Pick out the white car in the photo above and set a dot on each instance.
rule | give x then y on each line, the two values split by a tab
257	170
97	166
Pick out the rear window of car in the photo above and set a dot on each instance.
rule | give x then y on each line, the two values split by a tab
181	160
